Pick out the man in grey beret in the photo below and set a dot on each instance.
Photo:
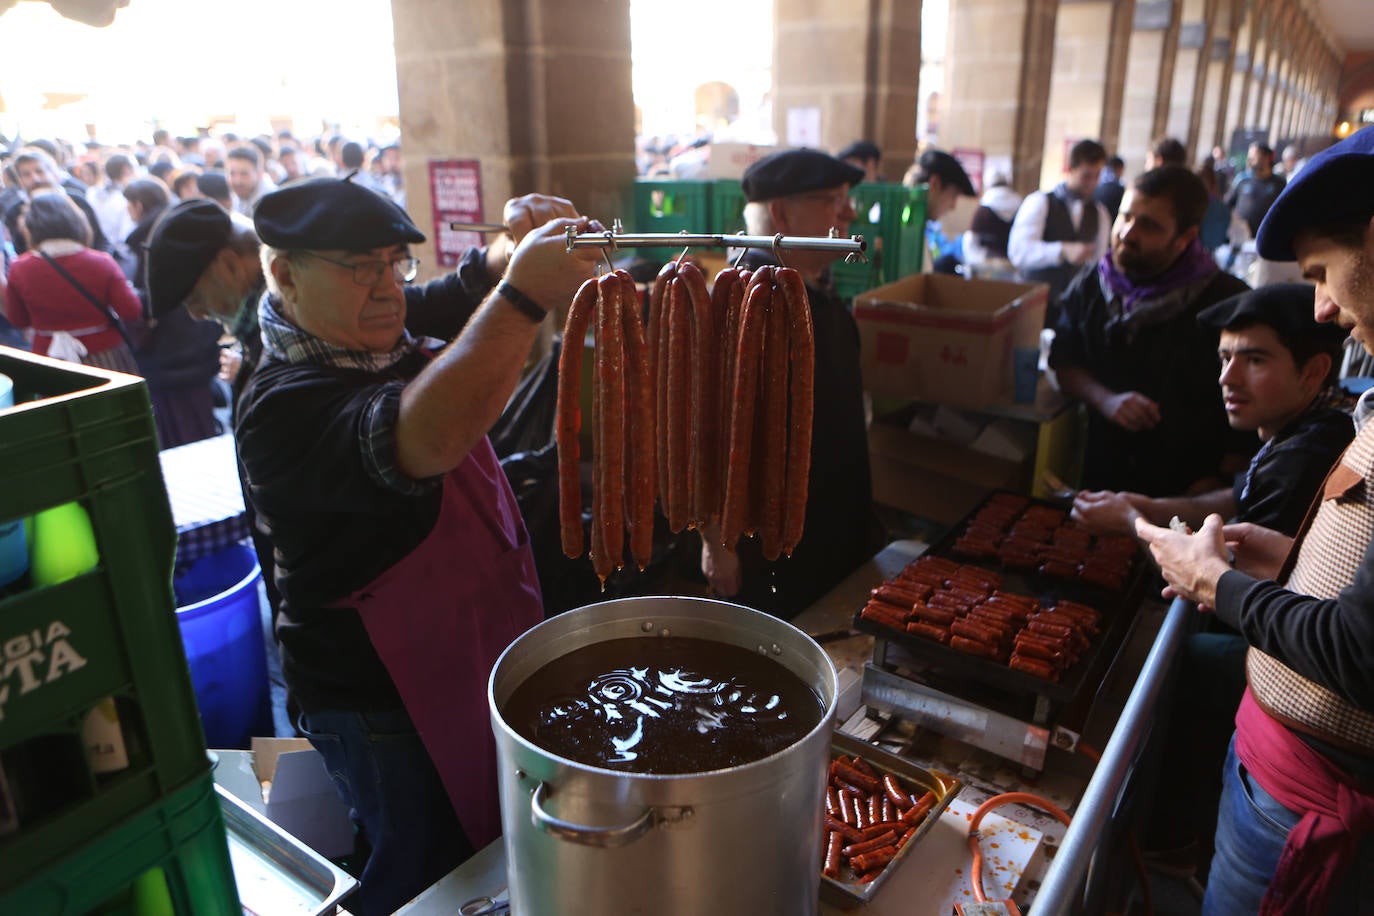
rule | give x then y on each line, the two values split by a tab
402	561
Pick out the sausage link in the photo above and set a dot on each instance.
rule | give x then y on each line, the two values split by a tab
1034	666
728	342
928	631
658	350
894	792
833	844
752	319
679	332
972	629
843	829
872	861
598	551
608	325
703	444
568	424
774	395
801	344
973	647
846	772
639	429
886	838
917	812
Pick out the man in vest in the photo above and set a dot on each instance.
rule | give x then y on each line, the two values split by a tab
1056	232
1297	808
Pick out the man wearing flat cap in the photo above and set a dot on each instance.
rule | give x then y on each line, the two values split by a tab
1294	827
863	154
402	561
805	192
945	181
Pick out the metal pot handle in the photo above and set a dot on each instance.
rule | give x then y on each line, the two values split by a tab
604	837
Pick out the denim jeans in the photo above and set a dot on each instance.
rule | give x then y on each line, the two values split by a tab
383	773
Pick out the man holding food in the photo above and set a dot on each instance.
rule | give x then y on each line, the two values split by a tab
1128	345
402	561
1294	829
804	192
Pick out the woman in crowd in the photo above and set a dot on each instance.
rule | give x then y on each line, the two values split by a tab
67	296
147	198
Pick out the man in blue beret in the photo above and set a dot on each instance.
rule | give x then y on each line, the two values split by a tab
805	192
402	561
1294	828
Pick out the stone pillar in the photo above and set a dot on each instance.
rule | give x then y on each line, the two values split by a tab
861	71
1078	81
999	62
1216	98
1118	58
1149	78
1190	74
1241	81
537	91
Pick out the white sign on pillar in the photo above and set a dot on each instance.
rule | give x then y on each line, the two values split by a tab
804	126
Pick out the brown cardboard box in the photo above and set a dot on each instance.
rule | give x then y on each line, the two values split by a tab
946	340
935	478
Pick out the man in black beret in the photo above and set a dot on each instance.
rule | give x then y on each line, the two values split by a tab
863	154
1293	830
945	181
402	561
805	192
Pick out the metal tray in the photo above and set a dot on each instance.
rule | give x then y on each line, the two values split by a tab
847	895
275	872
1116	609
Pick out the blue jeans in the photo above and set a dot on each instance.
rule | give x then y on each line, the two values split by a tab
384	774
1251	831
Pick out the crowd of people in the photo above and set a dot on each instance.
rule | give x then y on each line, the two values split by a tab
362	405
79	225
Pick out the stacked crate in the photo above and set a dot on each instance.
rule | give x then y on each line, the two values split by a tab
84	435
892	220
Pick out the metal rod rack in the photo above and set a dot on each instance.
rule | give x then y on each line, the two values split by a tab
853	248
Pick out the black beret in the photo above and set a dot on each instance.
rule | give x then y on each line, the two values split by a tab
795	171
183	243
331	214
860	149
1336	185
939	162
1286	307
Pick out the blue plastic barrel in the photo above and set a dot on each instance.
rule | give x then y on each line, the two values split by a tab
221	629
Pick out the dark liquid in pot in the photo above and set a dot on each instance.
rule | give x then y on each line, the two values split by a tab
663	705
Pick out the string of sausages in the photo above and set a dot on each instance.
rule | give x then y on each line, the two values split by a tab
710	410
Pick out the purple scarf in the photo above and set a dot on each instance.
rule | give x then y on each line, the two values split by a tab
1196	263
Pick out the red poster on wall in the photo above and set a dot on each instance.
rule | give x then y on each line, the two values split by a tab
455	187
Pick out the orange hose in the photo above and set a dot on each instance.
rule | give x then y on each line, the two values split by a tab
997	801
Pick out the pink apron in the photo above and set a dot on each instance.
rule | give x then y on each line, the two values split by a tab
440	618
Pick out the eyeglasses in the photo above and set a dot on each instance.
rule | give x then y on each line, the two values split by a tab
370	273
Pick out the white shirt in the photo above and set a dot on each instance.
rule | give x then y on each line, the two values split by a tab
1028	248
112	210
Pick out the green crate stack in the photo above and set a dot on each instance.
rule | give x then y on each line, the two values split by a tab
879	207
171	853
727	206
80	434
911	238
670	206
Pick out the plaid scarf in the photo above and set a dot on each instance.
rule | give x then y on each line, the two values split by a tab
284	341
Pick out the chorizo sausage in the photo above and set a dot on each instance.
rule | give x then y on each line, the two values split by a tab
678	330
801	344
639	429
1035	666
703	446
833	843
608	326
774	395
928	631
658	355
973	647
886	838
568	424
752	319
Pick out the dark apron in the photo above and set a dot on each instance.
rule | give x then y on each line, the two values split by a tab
440	618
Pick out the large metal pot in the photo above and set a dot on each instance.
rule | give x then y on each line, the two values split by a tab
587	840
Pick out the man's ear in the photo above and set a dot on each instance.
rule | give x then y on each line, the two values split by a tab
1315	371
777	212
285	279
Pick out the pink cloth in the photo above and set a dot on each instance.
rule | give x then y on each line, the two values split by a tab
441	617
1335	814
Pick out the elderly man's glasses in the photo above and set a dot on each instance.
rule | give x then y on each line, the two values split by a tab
370	273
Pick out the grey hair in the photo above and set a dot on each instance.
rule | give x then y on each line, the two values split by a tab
757	219
267	254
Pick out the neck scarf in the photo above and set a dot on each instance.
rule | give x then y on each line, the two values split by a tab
1194	265
283	340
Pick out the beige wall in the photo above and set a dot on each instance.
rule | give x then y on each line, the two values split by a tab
1077	82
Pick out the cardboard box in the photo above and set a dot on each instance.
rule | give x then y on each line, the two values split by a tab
946	340
729	160
299	796
935	478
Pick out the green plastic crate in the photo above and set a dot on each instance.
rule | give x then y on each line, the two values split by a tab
727	206
670	206
880	210
183	835
78	433
910	247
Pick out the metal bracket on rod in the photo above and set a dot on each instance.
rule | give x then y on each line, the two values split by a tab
853	248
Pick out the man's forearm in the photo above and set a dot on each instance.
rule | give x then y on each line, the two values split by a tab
1080	384
1192	509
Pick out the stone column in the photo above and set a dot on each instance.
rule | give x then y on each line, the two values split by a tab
1118	57
1241	81
1190	74
537	91
1221	65
1078	81
859	64
1149	78
999	62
